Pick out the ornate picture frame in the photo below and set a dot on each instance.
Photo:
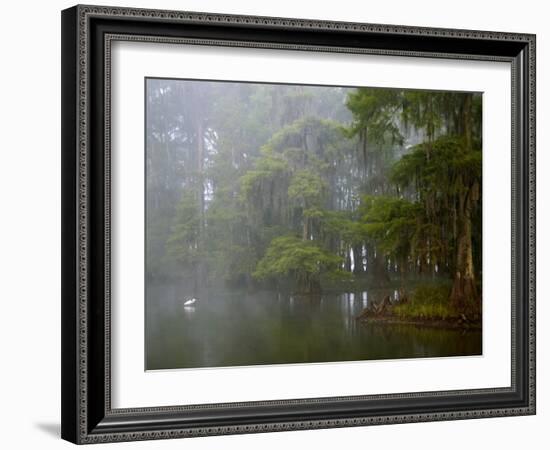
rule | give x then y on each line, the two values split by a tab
88	33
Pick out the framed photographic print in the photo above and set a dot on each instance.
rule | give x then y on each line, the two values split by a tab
278	224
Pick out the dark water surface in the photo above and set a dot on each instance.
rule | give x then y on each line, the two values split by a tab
227	328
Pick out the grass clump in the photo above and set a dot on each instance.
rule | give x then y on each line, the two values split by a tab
427	302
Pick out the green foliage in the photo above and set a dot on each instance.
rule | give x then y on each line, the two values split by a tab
439	113
228	255
343	226
424	110
289	256
374	112
428	302
158	232
269	168
445	176
184	242
307	188
444	167
289	185
390	223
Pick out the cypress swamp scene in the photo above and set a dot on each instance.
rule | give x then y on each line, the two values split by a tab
300	224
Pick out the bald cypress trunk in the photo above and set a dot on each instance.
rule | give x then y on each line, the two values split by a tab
464	295
464	292
467	120
358	259
380	270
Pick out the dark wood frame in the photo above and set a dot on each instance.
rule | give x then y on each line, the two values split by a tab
87	32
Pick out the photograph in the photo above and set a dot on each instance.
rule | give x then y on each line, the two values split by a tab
293	224
279	222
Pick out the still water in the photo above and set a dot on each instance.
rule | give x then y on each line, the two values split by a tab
226	328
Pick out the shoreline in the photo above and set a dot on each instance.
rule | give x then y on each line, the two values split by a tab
455	323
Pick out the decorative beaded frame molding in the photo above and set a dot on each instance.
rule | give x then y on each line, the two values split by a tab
87	35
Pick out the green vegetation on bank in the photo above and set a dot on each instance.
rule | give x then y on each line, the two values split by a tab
427	303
